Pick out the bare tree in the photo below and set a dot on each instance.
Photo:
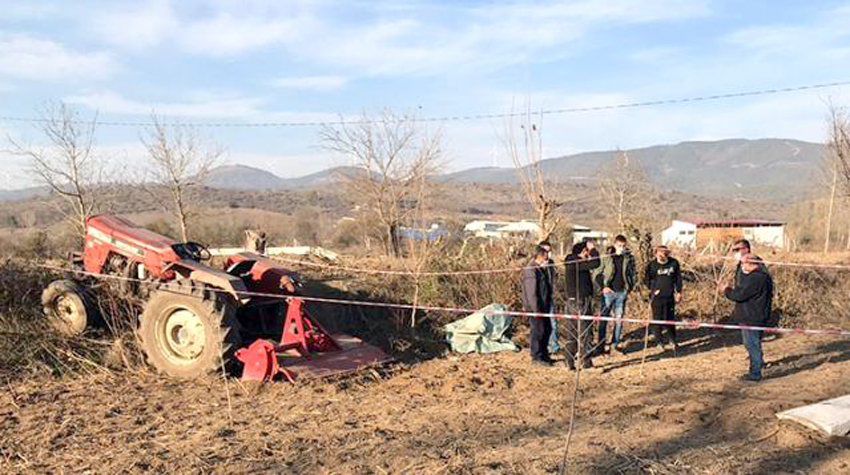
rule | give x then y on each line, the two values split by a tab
525	148
627	194
421	247
178	165
68	165
838	149
395	156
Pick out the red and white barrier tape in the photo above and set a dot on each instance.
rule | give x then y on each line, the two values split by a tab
459	310
363	270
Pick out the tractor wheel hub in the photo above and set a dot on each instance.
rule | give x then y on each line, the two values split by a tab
185	335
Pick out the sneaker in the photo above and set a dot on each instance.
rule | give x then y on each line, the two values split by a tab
542	363
570	364
751	378
587	363
621	348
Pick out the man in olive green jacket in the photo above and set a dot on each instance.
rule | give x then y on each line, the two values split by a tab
618	279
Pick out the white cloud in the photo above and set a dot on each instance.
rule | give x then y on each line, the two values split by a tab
227	34
823	37
317	83
135	26
207	29
202	106
26	57
484	38
387	38
113	103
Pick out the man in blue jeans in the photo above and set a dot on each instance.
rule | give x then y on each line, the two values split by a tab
753	296
618	279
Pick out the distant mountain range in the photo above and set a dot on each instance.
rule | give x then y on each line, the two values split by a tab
764	169
243	177
771	169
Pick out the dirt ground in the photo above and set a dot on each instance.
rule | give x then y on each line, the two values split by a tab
468	414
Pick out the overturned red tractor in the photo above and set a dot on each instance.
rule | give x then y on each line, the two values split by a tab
197	319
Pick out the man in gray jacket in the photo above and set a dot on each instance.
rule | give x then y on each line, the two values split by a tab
537	297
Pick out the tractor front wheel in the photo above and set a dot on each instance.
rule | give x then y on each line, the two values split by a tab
68	307
188	331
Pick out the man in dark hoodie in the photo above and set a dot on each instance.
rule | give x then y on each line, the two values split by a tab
579	298
550	271
537	297
753	296
664	280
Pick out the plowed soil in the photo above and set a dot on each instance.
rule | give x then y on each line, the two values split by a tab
467	414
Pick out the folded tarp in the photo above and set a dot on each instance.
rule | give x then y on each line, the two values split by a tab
481	332
831	416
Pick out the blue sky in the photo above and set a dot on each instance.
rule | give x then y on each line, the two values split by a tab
296	60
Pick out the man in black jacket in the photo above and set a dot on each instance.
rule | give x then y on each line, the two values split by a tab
753	296
550	271
664	280
579	297
537	297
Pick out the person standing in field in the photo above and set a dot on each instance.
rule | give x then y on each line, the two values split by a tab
618	279
537	297
554	347
579	302
753	297
664	280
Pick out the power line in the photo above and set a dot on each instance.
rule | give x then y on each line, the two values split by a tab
459	118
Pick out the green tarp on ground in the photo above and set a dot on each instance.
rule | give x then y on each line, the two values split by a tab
482	332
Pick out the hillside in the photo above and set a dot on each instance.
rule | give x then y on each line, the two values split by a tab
779	170
243	177
765	169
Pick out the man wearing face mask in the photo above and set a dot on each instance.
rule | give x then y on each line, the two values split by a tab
753	296
618	279
578	287
740	248
550	272
537	297
664	280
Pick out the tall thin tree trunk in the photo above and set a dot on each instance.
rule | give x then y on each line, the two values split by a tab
829	213
848	238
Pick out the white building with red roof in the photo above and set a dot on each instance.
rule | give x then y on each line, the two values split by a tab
702	233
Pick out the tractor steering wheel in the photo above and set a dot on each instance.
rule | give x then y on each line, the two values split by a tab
198	251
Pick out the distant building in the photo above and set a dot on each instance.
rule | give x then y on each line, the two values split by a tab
699	234
503	229
584	233
433	233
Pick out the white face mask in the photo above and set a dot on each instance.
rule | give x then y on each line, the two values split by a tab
619	250
738	255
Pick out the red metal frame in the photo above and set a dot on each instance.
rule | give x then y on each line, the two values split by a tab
301	335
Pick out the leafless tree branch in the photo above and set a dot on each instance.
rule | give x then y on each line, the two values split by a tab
178	164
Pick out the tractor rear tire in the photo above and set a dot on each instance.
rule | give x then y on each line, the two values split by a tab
189	331
68	307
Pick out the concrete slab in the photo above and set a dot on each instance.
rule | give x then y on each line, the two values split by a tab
831	416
